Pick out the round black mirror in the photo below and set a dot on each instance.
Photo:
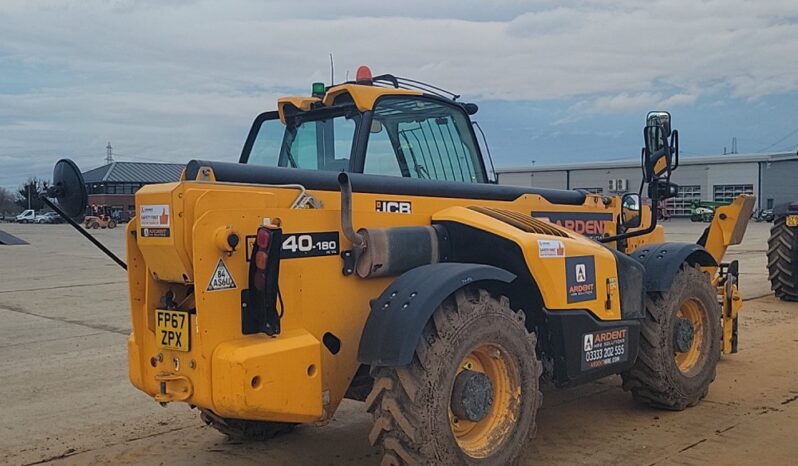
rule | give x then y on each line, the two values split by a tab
69	189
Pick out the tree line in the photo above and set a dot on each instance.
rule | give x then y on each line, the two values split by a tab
25	197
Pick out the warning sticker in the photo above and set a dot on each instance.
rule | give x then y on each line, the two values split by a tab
154	216
605	347
551	248
221	279
580	278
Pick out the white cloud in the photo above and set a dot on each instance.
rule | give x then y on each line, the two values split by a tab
145	74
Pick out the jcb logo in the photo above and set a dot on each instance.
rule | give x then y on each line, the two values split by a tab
395	207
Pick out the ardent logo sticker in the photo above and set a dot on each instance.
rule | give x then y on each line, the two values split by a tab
580	278
580	273
590	224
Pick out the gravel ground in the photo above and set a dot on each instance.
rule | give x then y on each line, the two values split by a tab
65	396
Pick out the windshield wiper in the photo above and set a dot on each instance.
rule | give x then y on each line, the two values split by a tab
286	149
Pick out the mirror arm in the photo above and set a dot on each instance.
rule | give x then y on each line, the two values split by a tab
84	232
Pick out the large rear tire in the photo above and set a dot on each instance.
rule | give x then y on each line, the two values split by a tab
243	430
679	344
422	412
782	263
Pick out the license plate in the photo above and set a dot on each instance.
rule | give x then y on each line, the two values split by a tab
792	220
172	329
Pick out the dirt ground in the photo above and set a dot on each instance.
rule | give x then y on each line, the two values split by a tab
65	397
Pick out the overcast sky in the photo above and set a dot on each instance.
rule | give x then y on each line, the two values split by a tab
172	80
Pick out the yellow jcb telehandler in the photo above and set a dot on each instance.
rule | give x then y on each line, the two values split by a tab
360	249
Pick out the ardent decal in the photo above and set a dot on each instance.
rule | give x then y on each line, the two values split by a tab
585	223
580	278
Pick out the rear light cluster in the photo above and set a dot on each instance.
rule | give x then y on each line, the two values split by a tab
263	238
259	312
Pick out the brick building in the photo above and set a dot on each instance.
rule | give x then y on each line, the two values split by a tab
115	184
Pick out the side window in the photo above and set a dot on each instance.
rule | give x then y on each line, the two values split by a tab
381	158
266	147
429	140
303	147
323	144
314	142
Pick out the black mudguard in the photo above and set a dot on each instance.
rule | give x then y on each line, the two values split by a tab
399	315
662	262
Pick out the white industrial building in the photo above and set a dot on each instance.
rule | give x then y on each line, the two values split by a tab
772	177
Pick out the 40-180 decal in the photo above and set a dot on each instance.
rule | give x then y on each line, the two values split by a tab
295	245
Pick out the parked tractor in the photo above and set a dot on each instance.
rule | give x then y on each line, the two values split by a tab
360	249
99	217
783	252
704	211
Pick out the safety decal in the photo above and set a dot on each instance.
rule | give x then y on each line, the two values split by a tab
550	248
395	207
154	220
605	347
221	279
580	278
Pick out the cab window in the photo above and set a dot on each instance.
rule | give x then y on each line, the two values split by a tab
422	138
315	140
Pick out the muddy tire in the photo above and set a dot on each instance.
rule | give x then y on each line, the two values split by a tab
782	260
243	430
472	337
677	359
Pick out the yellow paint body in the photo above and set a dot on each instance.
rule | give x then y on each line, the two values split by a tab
292	377
222	363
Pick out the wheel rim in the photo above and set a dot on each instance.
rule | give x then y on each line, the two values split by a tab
480	439
690	361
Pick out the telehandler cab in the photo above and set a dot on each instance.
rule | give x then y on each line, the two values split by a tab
360	249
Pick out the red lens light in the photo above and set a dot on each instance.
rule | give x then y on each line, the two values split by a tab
264	237
363	74
260	260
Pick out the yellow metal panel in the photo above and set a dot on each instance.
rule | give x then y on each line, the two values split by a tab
165	256
550	272
277	379
302	103
364	96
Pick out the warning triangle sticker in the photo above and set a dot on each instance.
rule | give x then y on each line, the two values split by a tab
221	279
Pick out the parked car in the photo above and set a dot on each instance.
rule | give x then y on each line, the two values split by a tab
121	216
27	216
49	217
764	215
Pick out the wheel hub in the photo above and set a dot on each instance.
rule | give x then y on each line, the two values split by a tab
683	335
472	395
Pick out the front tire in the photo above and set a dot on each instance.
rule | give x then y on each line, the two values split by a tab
679	344
423	415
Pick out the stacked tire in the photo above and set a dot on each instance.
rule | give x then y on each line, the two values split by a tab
783	252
